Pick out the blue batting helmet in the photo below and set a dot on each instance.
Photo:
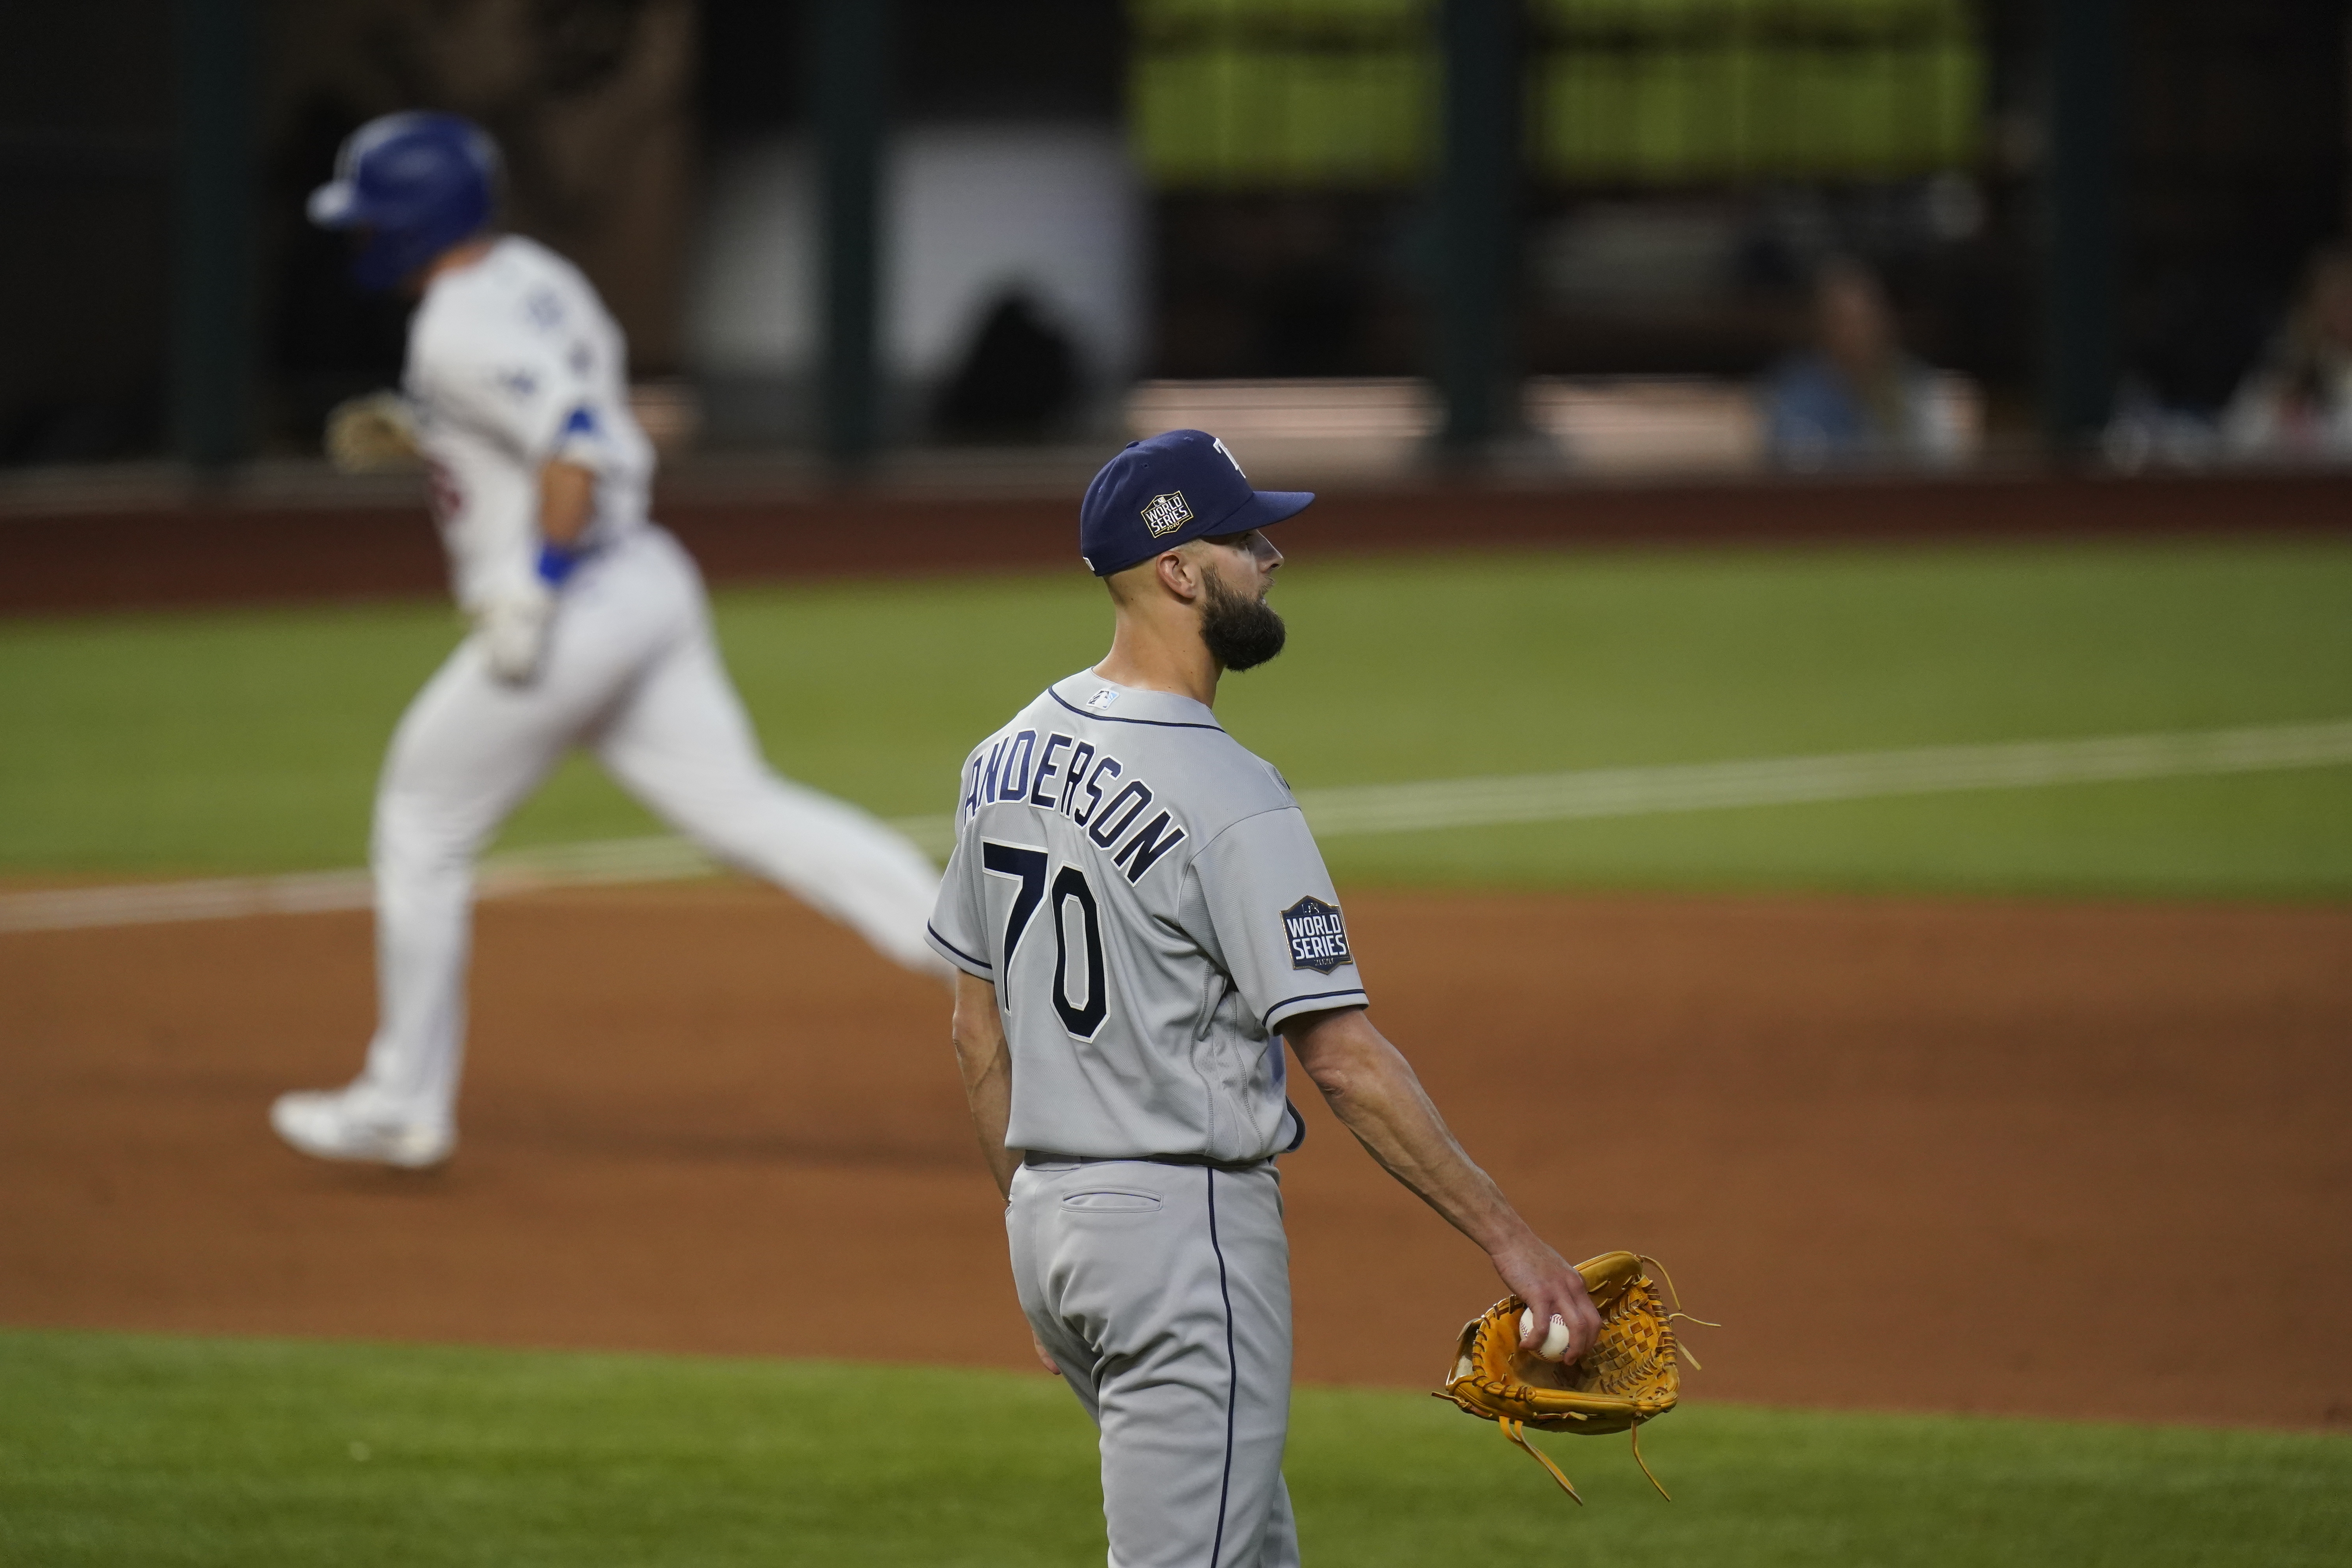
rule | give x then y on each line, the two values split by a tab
414	185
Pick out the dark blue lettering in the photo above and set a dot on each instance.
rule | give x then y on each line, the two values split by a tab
988	779
1109	766
1147	846
1077	775
1024	747
1108	824
1046	769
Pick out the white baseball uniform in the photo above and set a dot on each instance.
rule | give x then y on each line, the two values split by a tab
512	361
1146	900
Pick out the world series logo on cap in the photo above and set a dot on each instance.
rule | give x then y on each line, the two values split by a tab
1166	514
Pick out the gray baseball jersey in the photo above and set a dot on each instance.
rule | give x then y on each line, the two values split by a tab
1145	896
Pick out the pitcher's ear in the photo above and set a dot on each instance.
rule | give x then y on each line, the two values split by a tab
1179	574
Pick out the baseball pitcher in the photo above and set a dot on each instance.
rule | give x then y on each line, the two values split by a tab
590	626
1139	917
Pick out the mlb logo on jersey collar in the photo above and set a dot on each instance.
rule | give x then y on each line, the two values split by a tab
1157	494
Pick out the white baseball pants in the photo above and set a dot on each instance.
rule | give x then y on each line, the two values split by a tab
1163	1293
632	672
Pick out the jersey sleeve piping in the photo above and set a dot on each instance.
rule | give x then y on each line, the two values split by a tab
1313	1002
978	968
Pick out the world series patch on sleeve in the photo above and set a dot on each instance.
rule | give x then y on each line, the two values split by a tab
1628	1376
1318	936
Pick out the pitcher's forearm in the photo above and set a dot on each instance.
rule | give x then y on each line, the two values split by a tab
1399	1127
1377	1096
990	1096
985	1060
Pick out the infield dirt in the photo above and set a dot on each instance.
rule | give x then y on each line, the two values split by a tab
2053	1159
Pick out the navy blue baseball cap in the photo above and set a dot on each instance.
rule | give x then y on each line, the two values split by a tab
1178	485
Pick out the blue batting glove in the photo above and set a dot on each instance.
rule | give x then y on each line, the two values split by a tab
555	563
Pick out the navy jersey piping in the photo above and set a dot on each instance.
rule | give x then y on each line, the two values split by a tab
1232	1369
956	951
1114	718
1266	1022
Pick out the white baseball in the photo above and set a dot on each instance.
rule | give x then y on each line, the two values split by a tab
1555	1341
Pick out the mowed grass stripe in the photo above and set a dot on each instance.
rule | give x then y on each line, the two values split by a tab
1573	795
236	744
147	1449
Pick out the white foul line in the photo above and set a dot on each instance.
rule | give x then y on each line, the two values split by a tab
1358	809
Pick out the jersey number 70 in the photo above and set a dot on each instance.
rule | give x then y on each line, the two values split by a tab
1030	866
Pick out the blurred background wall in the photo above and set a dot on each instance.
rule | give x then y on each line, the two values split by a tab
1012	223
86	121
1074	197
592	104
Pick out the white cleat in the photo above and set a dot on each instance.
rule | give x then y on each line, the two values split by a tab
340	1124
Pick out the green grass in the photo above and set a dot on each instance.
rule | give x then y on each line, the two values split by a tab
249	741
172	1452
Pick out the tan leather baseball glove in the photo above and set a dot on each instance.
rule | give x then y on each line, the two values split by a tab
372	435
1629	1376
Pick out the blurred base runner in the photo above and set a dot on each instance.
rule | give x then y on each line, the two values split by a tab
591	628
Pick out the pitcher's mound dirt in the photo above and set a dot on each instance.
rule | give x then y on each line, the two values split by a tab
2053	1159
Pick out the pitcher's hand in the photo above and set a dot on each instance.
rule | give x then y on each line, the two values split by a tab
1552	1288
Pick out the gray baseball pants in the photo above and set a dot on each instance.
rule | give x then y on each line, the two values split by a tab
1163	1292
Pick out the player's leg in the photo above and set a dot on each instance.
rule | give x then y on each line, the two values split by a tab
460	760
1277	1544
682	743
467	752
1164	1292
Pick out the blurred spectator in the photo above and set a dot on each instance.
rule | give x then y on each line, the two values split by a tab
2146	432
2296	403
1018	380
1857	396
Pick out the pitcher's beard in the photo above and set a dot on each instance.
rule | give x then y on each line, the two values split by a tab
1242	633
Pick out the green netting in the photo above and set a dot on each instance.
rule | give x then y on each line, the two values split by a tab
1239	94
1729	110
1259	118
